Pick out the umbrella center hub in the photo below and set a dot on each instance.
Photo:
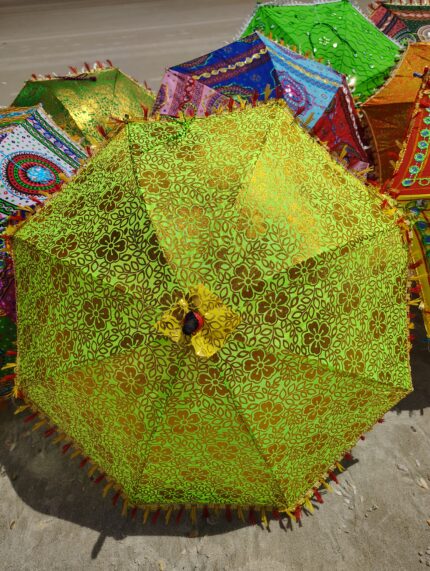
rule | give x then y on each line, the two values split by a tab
39	174
192	323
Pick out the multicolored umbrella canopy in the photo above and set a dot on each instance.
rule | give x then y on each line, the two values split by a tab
404	21
35	156
389	110
335	33
221	311
255	68
411	184
81	103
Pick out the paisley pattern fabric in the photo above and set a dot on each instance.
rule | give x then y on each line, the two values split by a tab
248	213
255	68
405	21
335	33
389	110
81	103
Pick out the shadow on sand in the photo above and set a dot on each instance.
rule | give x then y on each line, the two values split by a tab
53	485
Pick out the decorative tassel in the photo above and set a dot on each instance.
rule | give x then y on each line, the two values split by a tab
318	496
254	98
39	424
92	471
124	508
290	515
99	478
22	408
205	512
275	514
83	462
34	76
168	515
74	70
59	438
309	505
107	488
66	448
240	514
155	516
333	477
193	515
31	417
102	131
116	498
179	515
298	514
109	62
87	66
146	515
340	467
415	265
49	432
228	514
327	486
133	512
264	519
251	517
348	456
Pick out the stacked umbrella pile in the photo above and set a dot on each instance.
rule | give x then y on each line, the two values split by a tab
214	308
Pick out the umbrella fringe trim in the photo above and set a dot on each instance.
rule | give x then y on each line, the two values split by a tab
304	506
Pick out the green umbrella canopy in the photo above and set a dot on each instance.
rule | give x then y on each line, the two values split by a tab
242	221
81	103
335	32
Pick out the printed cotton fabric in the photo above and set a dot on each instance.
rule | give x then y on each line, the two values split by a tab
80	104
389	111
255	68
406	22
335	33
300	275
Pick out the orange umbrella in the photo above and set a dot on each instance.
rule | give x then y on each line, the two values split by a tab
410	184
388	111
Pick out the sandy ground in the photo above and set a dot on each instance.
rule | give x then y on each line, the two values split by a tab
51	516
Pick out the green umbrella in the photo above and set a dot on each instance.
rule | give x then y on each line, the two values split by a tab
83	103
221	313
335	33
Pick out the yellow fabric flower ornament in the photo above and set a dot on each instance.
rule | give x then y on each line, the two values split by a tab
201	319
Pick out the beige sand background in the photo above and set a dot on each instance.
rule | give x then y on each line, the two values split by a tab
51	516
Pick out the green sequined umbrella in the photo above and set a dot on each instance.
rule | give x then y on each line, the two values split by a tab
334	32
81	103
217	312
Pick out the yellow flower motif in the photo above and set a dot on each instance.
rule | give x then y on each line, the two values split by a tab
219	321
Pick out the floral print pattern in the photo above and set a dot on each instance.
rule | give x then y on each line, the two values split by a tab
313	316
